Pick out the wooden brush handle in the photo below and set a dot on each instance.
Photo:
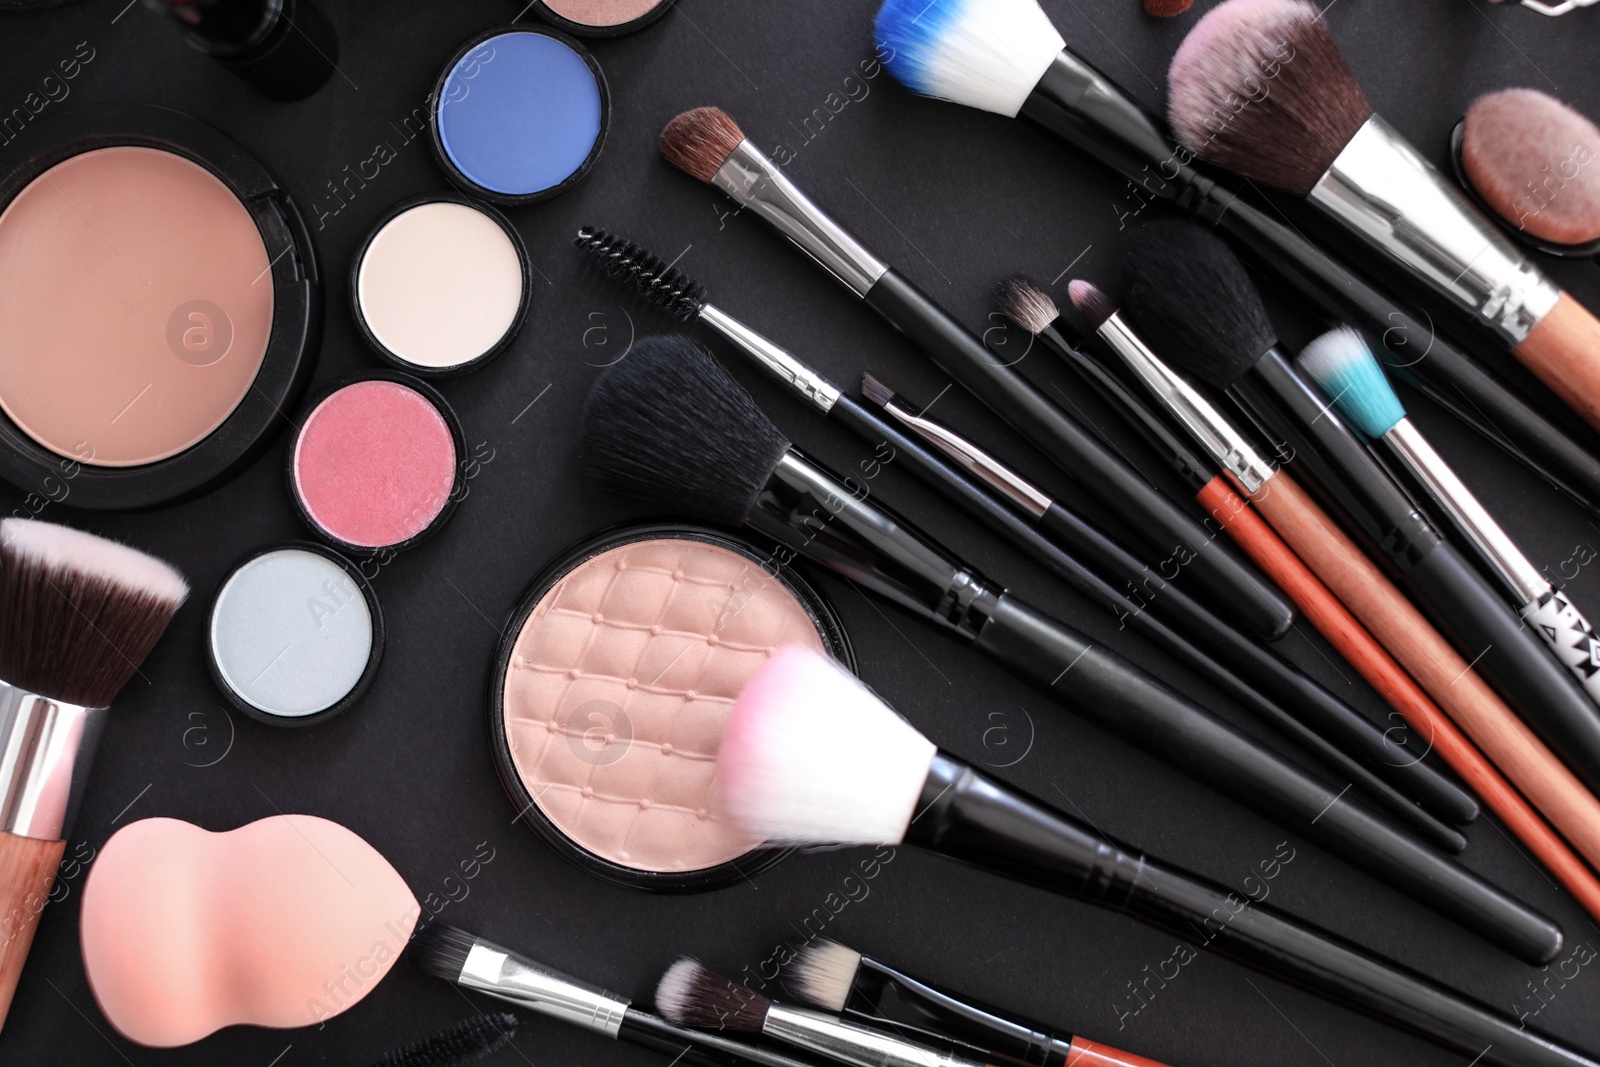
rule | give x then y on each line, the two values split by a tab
1334	621
1436	666
27	869
1564	351
1089	1054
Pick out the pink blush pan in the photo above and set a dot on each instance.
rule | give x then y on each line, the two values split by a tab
376	463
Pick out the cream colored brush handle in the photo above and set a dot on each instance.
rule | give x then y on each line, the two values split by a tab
27	870
1564	351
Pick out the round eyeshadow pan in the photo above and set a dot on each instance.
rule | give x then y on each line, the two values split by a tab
441	285
376	463
294	635
521	115
612	690
602	18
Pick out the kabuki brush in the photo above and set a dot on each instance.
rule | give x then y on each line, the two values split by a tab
865	990
1327	613
1032	308
1193	302
1344	368
1057	538
668	425
707	144
692	994
1260	87
1005	56
812	757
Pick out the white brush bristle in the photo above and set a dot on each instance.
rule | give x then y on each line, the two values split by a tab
55	548
987	54
823	972
811	756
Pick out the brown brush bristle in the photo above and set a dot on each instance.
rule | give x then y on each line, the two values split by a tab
1260	87
1166	9
1536	162
1024	302
699	142
78	613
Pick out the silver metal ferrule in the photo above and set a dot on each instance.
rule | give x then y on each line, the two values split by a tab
852	1043
773	359
46	748
969	457
518	980
1205	424
1469	516
756	182
1381	188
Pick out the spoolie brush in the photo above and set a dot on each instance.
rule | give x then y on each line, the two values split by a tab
1260	87
78	615
811	756
471	1039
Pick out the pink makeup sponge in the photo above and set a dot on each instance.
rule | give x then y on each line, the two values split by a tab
281	923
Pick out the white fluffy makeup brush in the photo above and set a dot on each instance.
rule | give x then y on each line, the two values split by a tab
1260	87
78	615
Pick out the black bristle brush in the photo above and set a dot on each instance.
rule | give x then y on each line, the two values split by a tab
1037	525
468	1040
670	426
78	615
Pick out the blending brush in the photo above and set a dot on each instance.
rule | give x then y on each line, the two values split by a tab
864	990
470	1039
707	144
1340	362
668	425
472	963
1193	300
1056	537
1260	87
78	615
812	757
1005	56
1329	615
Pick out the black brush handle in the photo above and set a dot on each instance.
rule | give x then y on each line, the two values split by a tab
972	818
1165	528
1106	688
1245	670
680	1044
1457	597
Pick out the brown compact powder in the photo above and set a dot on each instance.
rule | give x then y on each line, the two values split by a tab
603	12
138	303
619	685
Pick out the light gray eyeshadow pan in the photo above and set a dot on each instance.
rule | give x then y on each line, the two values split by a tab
291	633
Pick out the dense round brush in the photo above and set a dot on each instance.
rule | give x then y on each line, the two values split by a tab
471	1039
1534	162
668	425
813	757
1260	87
78	615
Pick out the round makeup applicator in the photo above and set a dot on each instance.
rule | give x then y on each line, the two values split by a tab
1534	163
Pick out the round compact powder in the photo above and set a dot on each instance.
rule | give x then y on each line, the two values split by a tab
294	635
441	285
138	306
376	462
1536	163
521	115
615	690
603	18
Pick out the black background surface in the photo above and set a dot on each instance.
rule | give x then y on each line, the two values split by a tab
955	198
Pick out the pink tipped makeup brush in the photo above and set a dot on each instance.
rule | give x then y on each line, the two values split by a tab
1260	87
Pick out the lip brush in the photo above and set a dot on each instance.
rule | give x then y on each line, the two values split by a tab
668	425
1196	304
707	144
812	757
1247	671
1342	365
1005	56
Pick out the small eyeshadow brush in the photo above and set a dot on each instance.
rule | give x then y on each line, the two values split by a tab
1195	304
1057	538
1005	57
668	425
1260	87
707	144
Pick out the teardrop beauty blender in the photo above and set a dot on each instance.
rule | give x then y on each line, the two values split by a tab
282	923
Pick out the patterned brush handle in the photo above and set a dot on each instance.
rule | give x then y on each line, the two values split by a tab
1569	635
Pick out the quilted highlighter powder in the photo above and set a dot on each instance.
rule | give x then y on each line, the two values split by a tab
613	688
